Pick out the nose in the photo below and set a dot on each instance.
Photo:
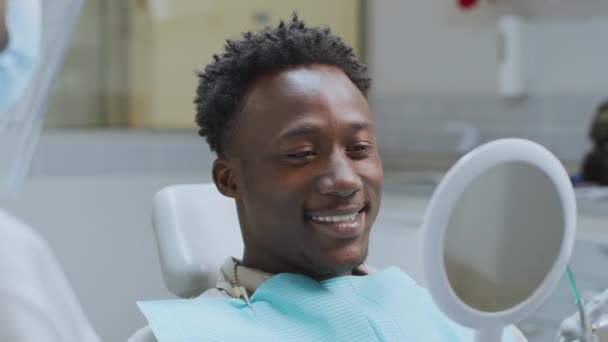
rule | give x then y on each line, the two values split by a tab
340	178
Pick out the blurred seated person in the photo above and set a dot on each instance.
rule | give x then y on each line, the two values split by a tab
595	165
3	30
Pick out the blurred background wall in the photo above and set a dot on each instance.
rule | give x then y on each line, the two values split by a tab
433	64
132	65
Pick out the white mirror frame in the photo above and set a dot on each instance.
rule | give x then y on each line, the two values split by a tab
489	325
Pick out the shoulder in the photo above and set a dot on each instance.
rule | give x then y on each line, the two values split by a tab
24	254
17	234
31	307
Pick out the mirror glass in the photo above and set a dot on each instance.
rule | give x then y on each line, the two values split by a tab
503	236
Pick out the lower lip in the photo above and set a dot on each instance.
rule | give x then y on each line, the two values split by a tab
340	230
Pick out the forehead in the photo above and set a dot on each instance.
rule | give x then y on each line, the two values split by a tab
315	93
303	81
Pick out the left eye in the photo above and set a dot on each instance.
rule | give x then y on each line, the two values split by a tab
303	154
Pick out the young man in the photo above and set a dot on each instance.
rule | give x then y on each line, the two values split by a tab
285	111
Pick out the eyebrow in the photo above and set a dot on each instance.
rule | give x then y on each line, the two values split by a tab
309	129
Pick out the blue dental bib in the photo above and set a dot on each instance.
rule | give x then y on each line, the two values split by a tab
384	306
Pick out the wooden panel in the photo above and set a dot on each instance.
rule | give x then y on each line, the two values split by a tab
166	53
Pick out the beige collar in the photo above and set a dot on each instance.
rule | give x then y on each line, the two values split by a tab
249	278
252	278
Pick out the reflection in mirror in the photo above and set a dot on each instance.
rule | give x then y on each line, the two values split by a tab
503	236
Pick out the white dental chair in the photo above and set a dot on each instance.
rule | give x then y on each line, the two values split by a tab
186	218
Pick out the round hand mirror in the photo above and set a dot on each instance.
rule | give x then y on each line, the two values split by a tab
498	234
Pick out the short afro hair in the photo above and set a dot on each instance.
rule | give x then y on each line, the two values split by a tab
220	94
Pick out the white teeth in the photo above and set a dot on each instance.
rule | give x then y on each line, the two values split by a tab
341	218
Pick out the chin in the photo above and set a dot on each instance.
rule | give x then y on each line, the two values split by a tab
347	264
336	263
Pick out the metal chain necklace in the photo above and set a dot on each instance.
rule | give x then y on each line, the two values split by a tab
239	290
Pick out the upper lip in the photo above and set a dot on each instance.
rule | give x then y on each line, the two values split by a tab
336	211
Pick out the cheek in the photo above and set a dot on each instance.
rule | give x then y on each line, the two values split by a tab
287	182
373	174
274	193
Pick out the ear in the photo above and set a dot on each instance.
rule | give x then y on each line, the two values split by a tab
224	177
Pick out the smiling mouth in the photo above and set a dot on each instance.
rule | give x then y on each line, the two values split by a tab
339	225
338	218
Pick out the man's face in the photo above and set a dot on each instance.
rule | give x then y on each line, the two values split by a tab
307	172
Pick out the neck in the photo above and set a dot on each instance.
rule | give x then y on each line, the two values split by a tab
276	265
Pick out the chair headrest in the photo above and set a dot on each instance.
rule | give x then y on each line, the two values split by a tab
196	229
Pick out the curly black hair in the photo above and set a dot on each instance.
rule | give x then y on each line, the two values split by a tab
220	94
